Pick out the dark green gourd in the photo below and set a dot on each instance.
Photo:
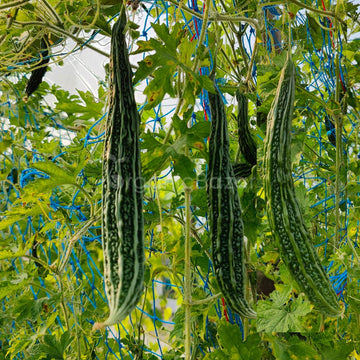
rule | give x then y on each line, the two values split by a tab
283	211
122	192
226	226
247	144
38	74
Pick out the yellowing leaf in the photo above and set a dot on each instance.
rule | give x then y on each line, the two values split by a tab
167	313
355	355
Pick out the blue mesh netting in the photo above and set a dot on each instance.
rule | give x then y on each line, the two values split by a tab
82	274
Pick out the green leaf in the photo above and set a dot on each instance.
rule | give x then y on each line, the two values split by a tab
148	45
189	94
353	297
171	41
189	140
184	167
103	24
179	319
217	354
147	66
149	142
20	345
201	129
199	199
179	124
230	339
18	213
6	254
26	308
66	340
55	171
295	349
52	347
153	162
159	86
5	144
279	314
340	349
9	289
315	31
72	105
206	83
58	174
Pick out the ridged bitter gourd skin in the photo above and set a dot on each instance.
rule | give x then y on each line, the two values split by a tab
283	211
122	188
247	144
226	226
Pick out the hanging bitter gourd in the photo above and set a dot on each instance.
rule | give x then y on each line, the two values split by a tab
38	74
247	144
226	226
330	130
122	188
283	211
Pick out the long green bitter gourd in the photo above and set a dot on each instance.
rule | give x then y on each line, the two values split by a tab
122	188
226	226
285	219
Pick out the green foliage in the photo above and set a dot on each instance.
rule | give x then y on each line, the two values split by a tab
233	347
283	313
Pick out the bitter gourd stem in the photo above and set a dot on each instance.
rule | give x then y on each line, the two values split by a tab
62	302
202	35
318	11
194	68
57	29
13	4
187	280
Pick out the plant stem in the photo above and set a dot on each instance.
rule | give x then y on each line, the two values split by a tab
322	12
207	300
218	17
236	74
53	12
88	26
188	279
202	35
195	235
88	198
72	241
238	35
160	215
236	70
35	259
13	4
251	64
356	256
57	29
63	304
76	307
312	96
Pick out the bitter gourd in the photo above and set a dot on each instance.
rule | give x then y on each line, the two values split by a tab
247	144
283	211
122	188
38	74
226	226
